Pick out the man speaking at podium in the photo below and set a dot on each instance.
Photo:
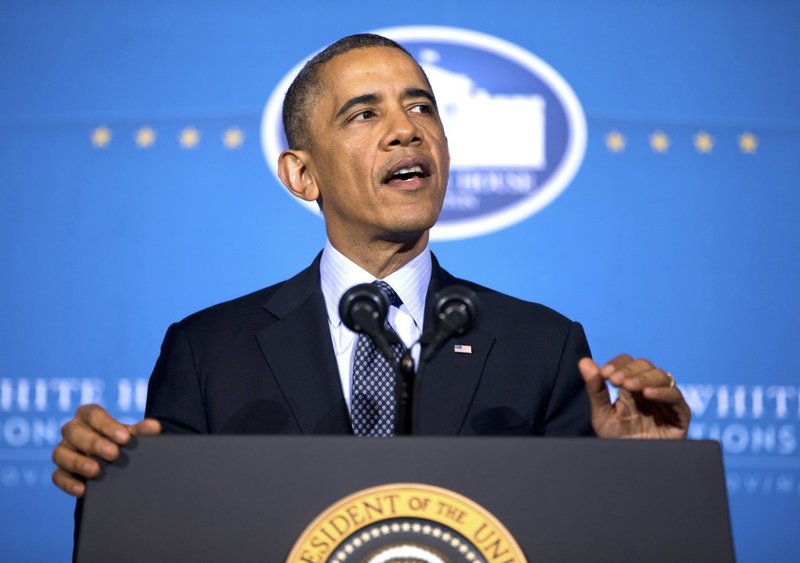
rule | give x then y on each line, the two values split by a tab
367	144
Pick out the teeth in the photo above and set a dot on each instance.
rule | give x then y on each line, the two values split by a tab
412	170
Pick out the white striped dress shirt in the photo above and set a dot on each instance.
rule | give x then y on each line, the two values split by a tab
338	274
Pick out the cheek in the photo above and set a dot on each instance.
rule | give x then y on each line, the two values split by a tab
358	165
332	170
440	145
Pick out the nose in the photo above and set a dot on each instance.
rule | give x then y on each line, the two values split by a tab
401	130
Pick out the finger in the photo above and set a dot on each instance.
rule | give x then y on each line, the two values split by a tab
616	364
96	418
78	436
74	462
68	483
629	370
664	394
653	377
595	384
146	427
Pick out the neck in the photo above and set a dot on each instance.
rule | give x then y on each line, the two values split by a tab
381	257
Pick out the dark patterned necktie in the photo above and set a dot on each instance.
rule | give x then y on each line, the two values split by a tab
374	400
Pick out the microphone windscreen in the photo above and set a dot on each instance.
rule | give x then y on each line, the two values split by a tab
457	306
363	306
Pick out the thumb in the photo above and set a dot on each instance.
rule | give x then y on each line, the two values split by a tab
146	427
595	384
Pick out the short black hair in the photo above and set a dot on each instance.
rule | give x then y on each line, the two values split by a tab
306	86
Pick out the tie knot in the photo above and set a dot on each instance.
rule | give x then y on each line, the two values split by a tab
389	293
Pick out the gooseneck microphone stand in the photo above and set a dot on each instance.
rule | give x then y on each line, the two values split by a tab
364	309
454	311
406	388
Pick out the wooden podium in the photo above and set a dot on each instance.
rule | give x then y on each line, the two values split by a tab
249	498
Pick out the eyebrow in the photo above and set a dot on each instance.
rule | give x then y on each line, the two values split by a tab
420	93
357	100
374	98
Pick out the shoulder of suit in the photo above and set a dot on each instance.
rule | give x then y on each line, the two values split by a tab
250	307
508	309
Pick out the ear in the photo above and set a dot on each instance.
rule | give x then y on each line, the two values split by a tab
296	176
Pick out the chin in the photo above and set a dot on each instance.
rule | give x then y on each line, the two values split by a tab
411	228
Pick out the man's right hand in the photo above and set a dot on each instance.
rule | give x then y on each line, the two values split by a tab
92	433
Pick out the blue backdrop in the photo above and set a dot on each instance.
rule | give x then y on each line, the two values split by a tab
135	191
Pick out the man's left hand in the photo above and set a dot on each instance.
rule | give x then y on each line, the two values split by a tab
649	404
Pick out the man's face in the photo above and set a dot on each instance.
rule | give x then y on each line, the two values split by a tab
378	152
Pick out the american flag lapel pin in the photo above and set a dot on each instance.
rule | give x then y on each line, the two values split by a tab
462	349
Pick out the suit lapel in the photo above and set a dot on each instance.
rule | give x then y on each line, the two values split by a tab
449	382
298	349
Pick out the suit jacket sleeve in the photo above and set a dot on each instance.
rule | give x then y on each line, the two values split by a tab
568	410
174	394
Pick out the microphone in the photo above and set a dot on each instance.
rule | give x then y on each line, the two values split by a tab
455	311
363	309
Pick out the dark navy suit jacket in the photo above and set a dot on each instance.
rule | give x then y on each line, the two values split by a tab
264	363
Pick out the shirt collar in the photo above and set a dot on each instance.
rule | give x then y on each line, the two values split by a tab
338	274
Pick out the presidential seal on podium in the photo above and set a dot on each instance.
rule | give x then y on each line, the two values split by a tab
408	523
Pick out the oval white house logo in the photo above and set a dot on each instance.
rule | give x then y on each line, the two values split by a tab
516	130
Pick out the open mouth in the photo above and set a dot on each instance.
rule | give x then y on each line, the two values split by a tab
406	171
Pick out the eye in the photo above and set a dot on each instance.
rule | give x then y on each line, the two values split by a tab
421	108
363	115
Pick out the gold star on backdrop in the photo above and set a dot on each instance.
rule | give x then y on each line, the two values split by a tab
615	141
145	137
703	142
659	142
101	136
233	138
748	143
189	138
